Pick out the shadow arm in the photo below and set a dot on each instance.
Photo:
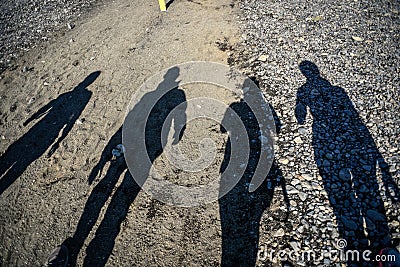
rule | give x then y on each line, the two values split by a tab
179	126
285	194
39	113
301	107
68	127
64	134
392	190
106	155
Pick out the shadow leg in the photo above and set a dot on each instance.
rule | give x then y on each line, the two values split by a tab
100	248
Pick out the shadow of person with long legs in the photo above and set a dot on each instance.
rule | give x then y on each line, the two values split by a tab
58	115
241	210
101	246
99	195
346	156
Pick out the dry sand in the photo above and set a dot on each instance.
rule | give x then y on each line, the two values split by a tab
126	42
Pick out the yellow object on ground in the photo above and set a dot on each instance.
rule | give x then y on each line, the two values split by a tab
163	7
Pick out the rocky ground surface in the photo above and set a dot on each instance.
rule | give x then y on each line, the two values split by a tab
26	24
355	45
66	196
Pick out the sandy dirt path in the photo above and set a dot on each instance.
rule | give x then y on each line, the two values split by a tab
111	54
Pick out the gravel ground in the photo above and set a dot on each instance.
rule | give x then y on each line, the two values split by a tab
25	24
329	160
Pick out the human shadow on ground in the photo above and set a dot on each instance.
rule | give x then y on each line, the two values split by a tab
169	3
102	244
58	115
241	210
347	158
99	195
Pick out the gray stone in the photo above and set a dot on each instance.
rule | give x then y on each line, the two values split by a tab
344	174
291	190
295	182
302	131
307	177
295	245
392	168
364	189
376	216
367	167
298	140
279	233
349	224
303	196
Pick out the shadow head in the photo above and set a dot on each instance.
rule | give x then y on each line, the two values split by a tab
88	80
172	74
309	69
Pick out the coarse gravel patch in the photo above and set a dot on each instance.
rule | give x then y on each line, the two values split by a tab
26	24
355	46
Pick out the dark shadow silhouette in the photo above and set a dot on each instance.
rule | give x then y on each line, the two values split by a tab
169	3
100	248
99	195
240	210
58	115
346	156
164	105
